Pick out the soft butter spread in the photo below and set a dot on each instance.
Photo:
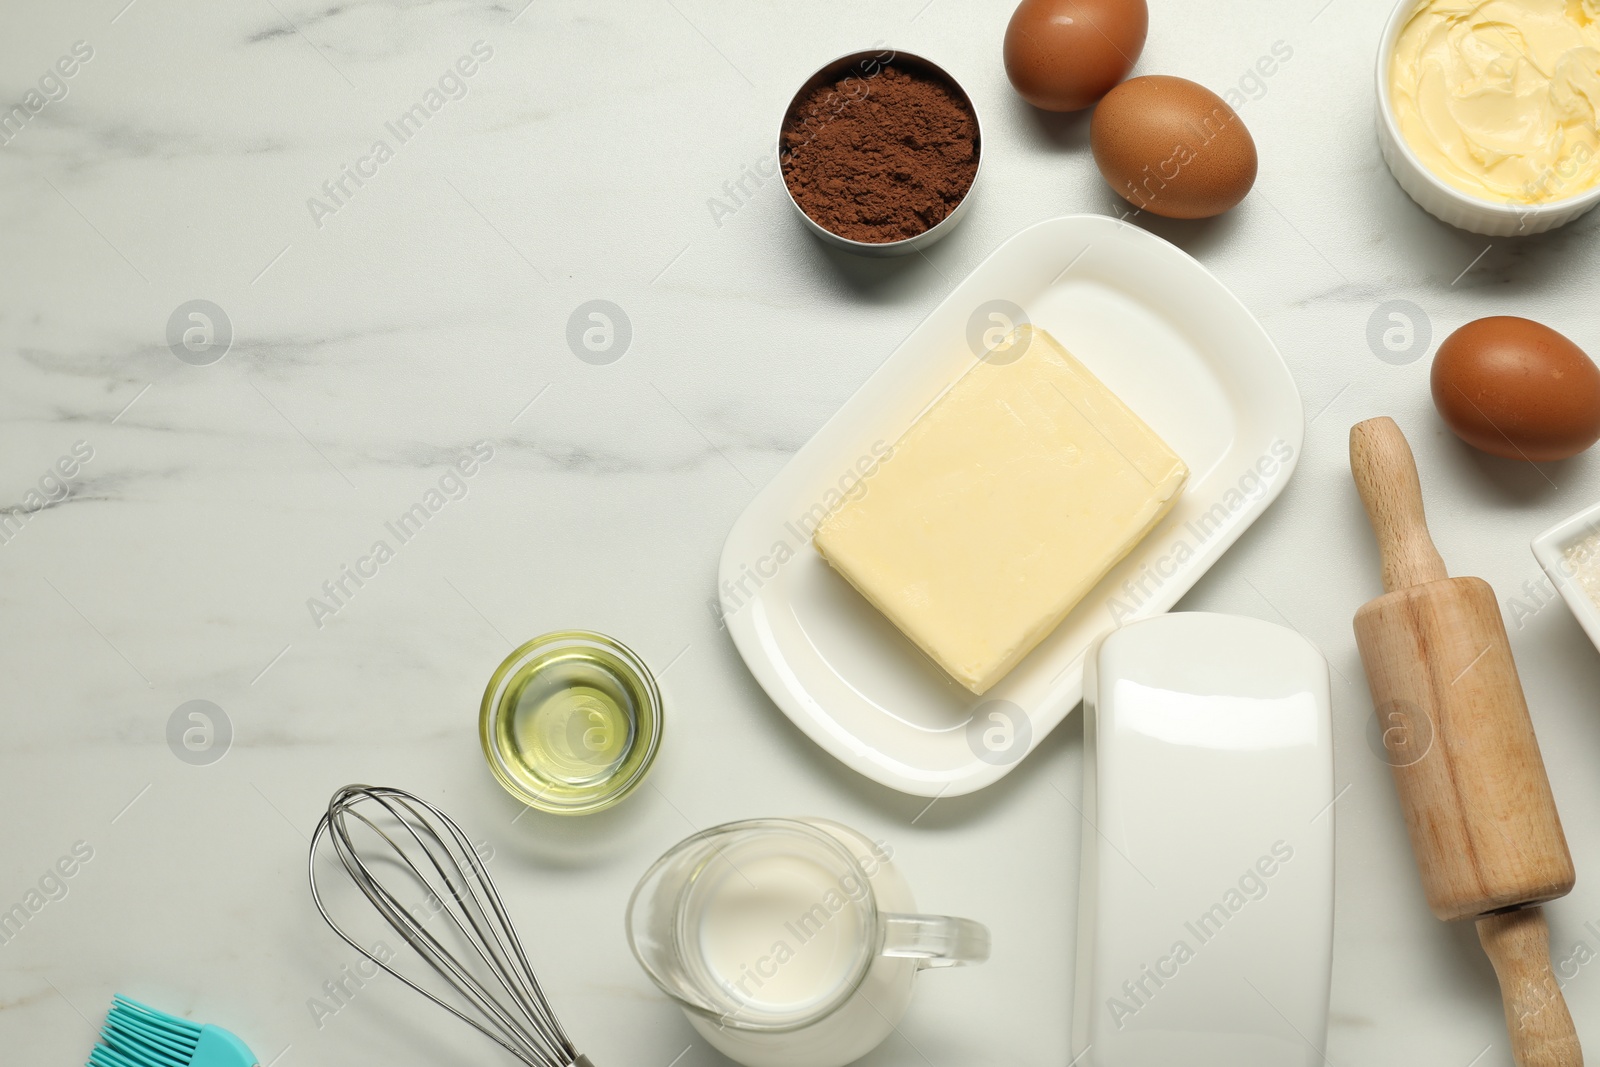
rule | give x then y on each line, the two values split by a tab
1499	97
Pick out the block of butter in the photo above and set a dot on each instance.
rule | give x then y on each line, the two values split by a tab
1007	500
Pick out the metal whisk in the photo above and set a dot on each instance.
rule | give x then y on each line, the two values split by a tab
432	867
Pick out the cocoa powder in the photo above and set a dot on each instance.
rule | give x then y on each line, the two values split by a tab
880	158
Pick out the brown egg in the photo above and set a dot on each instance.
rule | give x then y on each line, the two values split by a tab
1173	148
1063	55
1516	388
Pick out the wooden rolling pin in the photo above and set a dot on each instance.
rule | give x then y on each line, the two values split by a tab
1477	802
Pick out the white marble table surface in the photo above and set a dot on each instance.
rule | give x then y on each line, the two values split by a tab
372	344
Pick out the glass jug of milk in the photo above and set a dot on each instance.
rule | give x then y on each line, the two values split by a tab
789	942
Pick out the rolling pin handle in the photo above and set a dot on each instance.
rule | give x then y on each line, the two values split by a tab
1386	474
1542	1034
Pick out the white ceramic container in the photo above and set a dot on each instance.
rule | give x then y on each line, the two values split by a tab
1439	198
1205	928
1163	334
1550	549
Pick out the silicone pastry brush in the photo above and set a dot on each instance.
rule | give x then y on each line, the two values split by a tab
1472	783
139	1036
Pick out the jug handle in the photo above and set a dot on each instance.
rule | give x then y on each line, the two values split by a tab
935	940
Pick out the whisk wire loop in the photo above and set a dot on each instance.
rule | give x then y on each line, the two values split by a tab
504	997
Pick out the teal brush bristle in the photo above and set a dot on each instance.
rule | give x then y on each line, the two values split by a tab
140	1036
136	1035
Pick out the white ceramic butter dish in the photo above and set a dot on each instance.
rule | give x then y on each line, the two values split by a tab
1167	338
1205	924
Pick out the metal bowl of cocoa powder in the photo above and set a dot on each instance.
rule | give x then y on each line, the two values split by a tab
879	152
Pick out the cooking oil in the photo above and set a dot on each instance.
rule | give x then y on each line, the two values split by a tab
571	722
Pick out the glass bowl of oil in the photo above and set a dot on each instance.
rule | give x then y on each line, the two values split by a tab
571	722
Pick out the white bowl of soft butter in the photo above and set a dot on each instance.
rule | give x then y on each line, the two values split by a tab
1505	160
